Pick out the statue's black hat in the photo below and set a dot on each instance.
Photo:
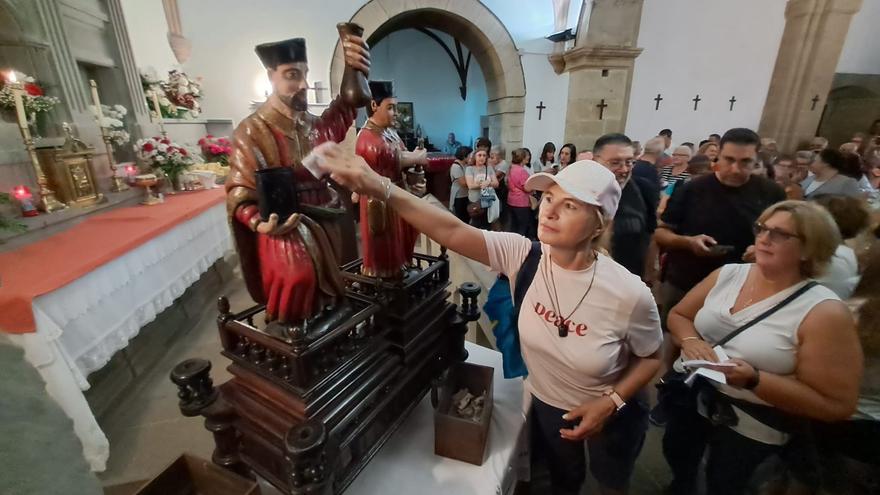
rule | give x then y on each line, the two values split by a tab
381	90
282	52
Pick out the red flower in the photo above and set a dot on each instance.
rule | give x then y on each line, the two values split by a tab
165	141
209	136
33	90
148	146
182	151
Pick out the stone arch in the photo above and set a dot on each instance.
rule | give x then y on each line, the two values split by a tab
479	30
849	109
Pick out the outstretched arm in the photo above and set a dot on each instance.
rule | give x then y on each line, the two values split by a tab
439	224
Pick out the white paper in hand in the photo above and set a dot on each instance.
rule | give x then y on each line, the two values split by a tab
313	161
713	375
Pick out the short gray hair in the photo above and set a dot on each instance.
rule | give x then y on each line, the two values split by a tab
655	146
805	155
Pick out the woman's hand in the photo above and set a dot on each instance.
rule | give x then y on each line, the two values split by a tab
353	173
740	376
698	349
593	416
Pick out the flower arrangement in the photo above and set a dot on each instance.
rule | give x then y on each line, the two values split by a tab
161	153
114	123
35	100
178	96
215	149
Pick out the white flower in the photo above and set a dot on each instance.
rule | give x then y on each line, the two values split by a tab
163	147
121	109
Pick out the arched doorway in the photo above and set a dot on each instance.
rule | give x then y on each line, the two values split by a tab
480	31
850	109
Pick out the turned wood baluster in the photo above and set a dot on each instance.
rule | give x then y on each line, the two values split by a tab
199	397
305	447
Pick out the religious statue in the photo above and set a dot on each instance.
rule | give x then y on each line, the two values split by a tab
387	241
291	263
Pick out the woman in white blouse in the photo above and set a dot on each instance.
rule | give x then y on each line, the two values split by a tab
803	361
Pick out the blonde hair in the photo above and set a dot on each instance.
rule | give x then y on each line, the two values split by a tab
817	230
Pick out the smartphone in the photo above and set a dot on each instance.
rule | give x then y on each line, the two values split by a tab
721	249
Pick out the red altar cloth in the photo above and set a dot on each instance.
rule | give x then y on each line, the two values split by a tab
54	262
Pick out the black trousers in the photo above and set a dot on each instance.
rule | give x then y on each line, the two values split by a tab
731	461
459	209
613	451
520	219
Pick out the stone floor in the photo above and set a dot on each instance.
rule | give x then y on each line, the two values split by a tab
147	431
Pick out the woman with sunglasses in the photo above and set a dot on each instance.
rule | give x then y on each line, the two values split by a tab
802	361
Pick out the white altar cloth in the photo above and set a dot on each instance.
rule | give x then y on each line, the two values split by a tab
81	325
407	464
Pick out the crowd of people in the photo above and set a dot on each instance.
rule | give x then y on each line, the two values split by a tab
748	279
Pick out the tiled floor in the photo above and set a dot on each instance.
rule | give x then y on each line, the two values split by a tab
147	431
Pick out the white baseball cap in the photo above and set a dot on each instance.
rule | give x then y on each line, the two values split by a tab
586	180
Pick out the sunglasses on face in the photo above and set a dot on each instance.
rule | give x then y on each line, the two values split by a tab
776	236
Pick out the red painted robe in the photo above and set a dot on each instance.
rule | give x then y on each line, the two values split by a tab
297	274
387	242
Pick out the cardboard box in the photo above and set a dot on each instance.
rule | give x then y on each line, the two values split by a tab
190	475
459	438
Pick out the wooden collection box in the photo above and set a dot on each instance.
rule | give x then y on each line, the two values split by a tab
459	438
190	475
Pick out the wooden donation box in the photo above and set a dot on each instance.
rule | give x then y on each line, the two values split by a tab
307	409
70	172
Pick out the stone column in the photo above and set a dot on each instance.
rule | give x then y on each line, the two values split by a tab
601	69
815	31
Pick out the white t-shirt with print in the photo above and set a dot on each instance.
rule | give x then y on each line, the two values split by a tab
618	318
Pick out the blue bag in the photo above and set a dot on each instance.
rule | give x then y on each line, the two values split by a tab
503	309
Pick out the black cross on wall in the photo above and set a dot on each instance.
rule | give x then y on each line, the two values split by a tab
540	108
602	105
696	101
732	100
814	100
657	101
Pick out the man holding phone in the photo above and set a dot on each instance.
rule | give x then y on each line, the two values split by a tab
708	221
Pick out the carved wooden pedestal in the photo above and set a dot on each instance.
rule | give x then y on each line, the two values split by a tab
309	410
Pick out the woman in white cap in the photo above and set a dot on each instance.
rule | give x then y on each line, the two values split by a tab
589	329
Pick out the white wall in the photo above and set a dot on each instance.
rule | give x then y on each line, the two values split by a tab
224	32
860	54
708	48
147	31
543	85
424	74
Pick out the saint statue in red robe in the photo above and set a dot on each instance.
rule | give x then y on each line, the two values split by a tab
291	264
387	241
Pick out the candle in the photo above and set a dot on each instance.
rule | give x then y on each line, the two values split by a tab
23	195
156	106
18	96
99	115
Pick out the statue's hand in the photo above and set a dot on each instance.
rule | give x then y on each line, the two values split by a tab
356	53
272	228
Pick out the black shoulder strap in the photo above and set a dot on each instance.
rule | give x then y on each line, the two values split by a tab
794	295
525	276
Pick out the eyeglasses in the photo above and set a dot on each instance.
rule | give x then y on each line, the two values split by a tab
776	236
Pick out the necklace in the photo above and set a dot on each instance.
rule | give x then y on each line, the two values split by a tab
554	299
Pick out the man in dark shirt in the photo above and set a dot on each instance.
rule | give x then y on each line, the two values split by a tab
708	221
636	216
647	166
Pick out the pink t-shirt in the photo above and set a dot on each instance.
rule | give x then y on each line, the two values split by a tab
618	318
516	186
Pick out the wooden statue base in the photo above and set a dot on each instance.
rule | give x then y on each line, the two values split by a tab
308	406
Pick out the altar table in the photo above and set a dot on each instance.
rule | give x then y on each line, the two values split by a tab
76	298
407	464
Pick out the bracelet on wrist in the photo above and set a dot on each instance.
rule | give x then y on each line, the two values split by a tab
689	338
755	381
